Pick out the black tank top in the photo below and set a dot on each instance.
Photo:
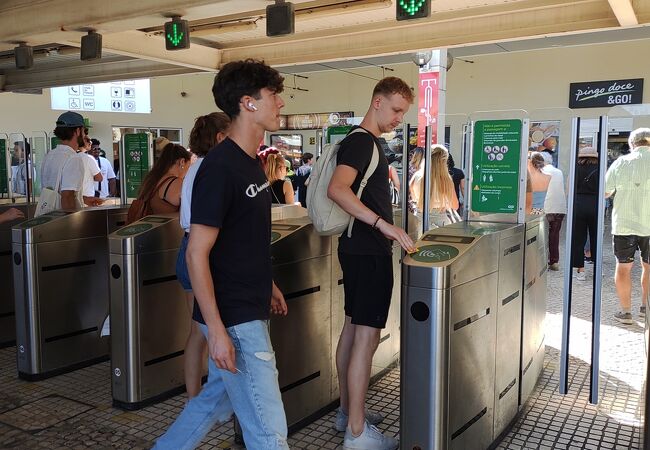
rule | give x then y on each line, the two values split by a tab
277	192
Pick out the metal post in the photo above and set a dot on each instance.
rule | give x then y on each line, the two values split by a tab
405	181
598	265
122	155
427	179
568	270
466	168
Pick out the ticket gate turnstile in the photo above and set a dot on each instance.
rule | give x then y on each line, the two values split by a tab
60	272
7	306
461	336
149	317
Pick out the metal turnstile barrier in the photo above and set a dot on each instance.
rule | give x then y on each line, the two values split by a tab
60	272
461	336
149	318
7	305
534	304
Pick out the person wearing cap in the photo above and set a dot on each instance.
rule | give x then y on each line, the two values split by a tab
105	187
62	162
585	208
628	180
555	209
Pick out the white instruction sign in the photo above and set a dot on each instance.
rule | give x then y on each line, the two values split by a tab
131	96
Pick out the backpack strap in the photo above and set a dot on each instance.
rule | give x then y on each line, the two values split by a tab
374	162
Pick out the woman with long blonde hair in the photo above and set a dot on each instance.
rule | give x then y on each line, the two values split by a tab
442	196
276	173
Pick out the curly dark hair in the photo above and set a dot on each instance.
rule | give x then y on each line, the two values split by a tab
203	136
239	78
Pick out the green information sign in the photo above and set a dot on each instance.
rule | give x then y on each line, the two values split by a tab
54	141
435	253
495	171
4	178
136	158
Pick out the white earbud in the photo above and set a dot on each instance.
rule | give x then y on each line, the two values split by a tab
251	106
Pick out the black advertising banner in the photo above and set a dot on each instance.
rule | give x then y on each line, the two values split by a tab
599	94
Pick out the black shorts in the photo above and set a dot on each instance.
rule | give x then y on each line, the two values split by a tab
625	248
368	286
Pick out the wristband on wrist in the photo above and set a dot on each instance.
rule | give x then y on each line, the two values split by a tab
374	225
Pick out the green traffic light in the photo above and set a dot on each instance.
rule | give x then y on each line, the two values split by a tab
177	37
411	7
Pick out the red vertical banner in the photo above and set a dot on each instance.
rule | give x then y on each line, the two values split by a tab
428	105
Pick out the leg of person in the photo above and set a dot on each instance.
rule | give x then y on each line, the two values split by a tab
254	390
624	250
350	265
554	227
343	350
196	350
644	246
370	305
578	238
200	414
196	345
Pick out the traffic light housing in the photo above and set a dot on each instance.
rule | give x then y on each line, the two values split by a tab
177	34
412	9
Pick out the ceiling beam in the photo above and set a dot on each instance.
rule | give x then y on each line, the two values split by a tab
88	72
624	12
543	18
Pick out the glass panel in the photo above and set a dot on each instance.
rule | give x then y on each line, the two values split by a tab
39	149
18	151
174	135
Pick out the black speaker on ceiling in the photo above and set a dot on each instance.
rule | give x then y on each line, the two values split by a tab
280	19
91	46
24	55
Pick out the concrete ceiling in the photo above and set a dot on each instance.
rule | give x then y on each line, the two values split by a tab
337	32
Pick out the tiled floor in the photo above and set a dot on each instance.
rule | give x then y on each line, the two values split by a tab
73	411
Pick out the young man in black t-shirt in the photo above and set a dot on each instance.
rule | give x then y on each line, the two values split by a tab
229	262
366	261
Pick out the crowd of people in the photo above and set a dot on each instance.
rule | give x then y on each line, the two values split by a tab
223	190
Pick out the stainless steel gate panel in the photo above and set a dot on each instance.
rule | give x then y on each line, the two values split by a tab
506	394
164	323
61	290
302	339
149	317
530	322
7	306
337	312
72	301
424	387
472	344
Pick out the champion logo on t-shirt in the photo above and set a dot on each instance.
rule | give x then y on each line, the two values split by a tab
253	189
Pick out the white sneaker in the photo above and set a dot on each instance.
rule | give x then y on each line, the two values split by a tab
580	276
370	439
341	419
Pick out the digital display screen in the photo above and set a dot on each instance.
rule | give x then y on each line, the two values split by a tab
448	239
129	96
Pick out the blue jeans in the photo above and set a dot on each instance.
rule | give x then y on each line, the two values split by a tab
182	275
252	392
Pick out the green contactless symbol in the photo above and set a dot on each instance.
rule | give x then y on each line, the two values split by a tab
275	236
134	229
435	253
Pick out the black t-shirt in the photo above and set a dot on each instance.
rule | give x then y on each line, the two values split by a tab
277	192
457	176
587	179
355	151
231	193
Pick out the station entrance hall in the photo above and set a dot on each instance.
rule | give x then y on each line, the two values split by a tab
324	224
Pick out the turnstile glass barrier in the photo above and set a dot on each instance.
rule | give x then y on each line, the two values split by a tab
60	273
7	306
461	335
149	317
